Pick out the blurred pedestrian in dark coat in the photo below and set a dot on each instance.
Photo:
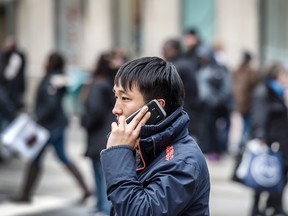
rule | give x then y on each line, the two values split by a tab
12	81
172	52
50	114
215	93
98	101
12	71
269	123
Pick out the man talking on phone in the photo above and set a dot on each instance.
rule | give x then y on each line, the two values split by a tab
153	169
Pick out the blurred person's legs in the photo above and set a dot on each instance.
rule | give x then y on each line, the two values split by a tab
209	126
255	208
274	201
32	173
273	205
103	205
59	145
30	182
223	124
214	141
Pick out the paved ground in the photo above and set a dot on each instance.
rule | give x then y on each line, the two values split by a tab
58	193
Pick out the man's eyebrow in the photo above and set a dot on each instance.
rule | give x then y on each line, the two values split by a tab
120	91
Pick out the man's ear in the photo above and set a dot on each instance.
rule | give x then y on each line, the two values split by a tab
162	102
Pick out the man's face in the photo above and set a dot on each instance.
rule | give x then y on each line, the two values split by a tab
127	102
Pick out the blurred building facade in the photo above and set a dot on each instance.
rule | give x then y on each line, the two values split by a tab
81	29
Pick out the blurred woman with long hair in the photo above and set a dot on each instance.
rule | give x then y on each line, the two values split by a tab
50	114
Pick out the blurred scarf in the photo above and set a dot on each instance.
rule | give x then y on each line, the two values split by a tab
277	88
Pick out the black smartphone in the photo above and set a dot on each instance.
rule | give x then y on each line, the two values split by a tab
156	110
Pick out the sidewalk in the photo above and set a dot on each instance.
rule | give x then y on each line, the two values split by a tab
57	192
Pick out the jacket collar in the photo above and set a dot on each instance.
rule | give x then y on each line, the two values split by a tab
155	138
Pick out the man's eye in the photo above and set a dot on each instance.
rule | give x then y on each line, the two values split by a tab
125	98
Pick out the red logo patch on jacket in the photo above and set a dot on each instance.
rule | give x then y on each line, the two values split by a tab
169	153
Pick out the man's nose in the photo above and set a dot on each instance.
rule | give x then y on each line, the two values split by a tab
117	111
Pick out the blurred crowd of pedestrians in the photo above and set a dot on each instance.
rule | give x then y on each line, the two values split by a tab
49	113
208	84
213	91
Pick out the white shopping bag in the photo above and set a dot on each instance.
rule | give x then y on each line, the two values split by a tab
25	136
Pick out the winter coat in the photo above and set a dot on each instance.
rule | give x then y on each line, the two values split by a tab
269	120
49	111
172	178
97	116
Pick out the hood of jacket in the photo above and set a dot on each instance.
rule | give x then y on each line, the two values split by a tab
155	138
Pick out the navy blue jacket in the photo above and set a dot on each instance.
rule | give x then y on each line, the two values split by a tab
172	178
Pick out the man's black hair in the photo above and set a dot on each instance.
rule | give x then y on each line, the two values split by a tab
155	79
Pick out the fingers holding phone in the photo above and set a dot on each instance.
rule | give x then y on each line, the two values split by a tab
127	134
140	119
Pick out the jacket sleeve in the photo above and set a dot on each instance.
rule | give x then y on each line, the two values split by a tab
167	192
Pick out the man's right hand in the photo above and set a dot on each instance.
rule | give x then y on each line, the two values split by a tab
127	134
